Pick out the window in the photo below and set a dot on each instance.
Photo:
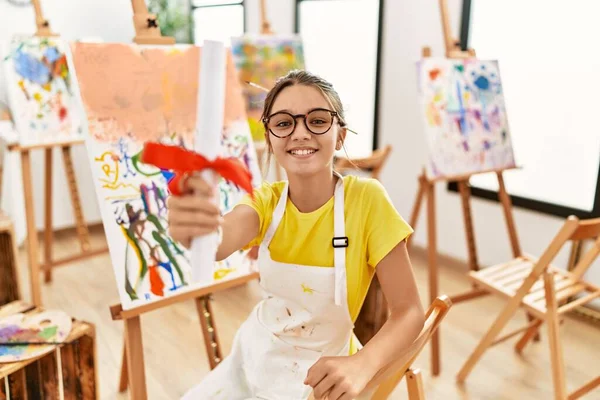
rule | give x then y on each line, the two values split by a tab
217	20
551	85
347	55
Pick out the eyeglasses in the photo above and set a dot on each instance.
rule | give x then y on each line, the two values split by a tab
317	121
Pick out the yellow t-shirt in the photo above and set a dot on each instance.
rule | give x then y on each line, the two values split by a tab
373	227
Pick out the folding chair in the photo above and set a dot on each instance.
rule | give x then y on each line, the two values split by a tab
544	291
386	380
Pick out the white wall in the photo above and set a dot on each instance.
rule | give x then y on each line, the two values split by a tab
409	25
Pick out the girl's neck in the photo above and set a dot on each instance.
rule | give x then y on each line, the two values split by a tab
309	193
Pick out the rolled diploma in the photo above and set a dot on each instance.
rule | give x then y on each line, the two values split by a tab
207	142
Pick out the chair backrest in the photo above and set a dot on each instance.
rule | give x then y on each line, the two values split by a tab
586	229
573	229
386	380
374	163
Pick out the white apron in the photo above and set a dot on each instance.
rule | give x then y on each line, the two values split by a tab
303	317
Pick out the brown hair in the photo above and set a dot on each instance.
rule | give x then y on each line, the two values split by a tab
300	77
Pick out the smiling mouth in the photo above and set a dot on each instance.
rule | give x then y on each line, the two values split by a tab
302	152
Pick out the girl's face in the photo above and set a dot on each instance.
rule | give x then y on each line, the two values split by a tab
303	152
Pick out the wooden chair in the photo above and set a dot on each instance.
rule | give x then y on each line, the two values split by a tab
373	164
544	291
386	380
374	312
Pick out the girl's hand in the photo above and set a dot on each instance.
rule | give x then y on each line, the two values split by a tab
339	378
193	214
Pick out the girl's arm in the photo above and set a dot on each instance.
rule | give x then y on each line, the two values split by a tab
341	378
407	317
193	214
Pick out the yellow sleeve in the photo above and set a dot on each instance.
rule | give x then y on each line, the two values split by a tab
263	203
384	226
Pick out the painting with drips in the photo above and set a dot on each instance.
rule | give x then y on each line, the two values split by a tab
131	95
40	90
464	114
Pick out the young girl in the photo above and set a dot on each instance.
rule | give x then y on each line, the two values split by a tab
322	238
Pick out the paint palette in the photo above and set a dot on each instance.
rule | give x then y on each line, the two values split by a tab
23	336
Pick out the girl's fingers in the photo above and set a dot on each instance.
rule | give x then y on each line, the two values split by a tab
194	218
192	203
184	234
196	185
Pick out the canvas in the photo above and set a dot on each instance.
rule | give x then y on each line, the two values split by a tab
464	116
39	86
131	94
261	59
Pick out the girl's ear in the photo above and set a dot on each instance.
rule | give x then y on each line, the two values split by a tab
340	139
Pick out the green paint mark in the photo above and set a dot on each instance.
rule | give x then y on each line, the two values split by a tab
48	333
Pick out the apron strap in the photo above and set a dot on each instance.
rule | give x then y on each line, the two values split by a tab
277	216
340	243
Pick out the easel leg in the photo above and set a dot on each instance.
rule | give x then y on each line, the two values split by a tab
123	380
414	384
512	231
82	230
510	223
433	277
465	197
48	216
32	239
209	331
414	215
135	359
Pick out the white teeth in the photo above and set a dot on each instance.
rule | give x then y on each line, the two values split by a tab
303	152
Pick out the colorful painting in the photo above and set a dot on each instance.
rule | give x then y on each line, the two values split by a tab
133	94
466	126
262	59
23	336
40	90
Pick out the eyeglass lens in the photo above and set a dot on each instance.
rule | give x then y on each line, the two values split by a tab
317	121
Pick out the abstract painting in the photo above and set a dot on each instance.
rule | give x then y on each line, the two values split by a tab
464	114
23	336
40	90
130	95
262	59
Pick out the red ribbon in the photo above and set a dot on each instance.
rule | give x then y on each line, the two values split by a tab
182	161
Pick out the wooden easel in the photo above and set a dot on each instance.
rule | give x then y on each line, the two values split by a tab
132	367
265	26
147	30
427	190
43	30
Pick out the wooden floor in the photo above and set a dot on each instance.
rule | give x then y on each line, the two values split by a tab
176	360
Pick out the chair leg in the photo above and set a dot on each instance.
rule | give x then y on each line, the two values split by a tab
556	355
414	384
492	333
528	336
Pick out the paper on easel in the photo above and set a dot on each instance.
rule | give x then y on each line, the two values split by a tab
207	142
